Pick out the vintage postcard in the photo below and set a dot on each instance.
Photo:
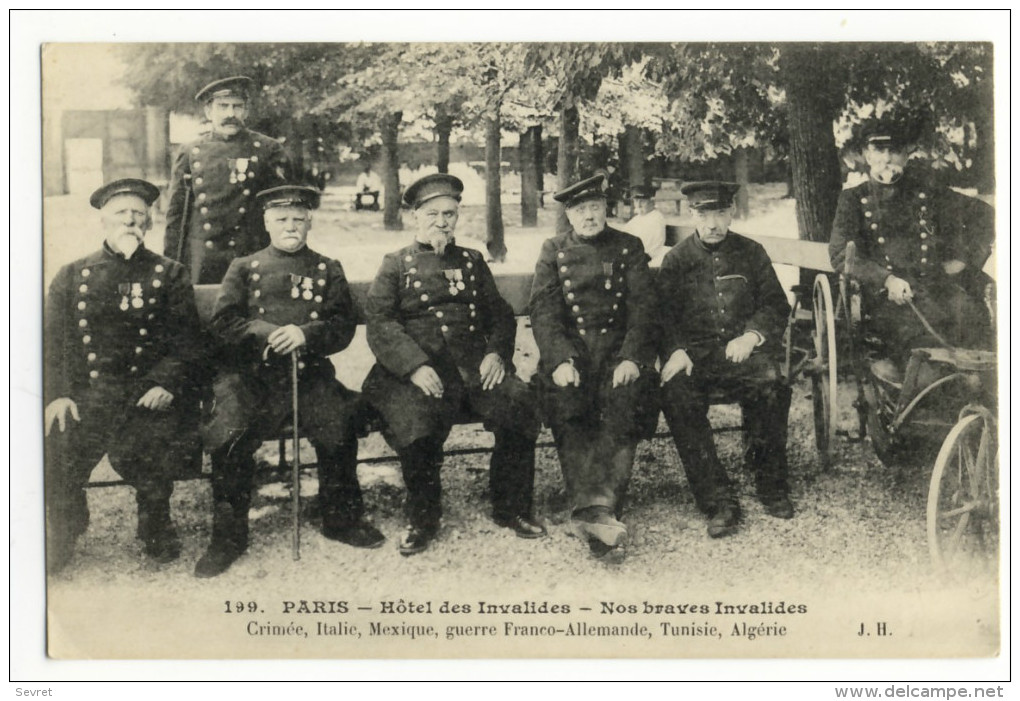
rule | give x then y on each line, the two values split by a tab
860	512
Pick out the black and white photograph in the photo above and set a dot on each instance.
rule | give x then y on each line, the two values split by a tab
678	345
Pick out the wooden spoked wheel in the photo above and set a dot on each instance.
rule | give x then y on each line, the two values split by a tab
963	498
823	380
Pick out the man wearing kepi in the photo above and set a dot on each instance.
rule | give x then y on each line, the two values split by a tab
723	316
281	300
212	218
593	311
444	340
121	340
917	244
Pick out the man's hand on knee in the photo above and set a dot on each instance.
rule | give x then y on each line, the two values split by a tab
156	399
677	363
492	371
566	374
57	410
427	380
626	373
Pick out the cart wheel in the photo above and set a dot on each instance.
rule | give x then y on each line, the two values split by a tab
823	383
963	499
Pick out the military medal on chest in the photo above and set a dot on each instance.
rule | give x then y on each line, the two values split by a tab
607	270
301	286
238	170
455	278
130	295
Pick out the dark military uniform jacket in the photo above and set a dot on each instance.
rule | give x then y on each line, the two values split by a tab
908	229
223	175
261	293
272	288
711	295
593	301
445	311
131	324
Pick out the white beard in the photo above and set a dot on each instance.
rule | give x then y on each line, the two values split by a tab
127	244
439	243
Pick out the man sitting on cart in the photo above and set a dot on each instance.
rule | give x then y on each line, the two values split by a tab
920	247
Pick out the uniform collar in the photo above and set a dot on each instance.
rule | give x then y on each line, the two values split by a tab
597	238
420	247
217	136
713	247
108	252
279	253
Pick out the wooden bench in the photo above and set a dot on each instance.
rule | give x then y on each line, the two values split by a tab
516	289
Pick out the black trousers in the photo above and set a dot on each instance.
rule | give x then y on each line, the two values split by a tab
248	408
765	405
511	477
145	447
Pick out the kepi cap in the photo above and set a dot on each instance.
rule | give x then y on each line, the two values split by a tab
234	86
709	194
588	189
431	187
288	196
892	131
125	186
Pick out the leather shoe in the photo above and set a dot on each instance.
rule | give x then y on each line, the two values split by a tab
416	539
522	526
724	521
359	535
216	560
599	524
779	507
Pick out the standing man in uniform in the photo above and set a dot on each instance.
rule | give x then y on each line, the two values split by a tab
282	300
723	319
444	340
916	243
121	340
593	313
212	218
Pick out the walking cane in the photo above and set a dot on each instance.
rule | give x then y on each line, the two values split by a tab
296	476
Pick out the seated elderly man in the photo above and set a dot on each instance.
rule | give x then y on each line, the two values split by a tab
723	316
920	250
282	300
121	341
444	340
593	311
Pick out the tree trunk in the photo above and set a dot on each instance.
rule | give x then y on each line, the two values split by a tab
529	178
493	207
633	156
566	157
444	125
814	80
539	162
740	171
391	172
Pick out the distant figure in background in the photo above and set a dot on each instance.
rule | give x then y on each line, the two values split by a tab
368	187
212	218
647	224
121	338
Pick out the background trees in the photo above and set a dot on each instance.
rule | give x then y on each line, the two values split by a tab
646	109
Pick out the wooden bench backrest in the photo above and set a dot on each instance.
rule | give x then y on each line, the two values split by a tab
516	287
